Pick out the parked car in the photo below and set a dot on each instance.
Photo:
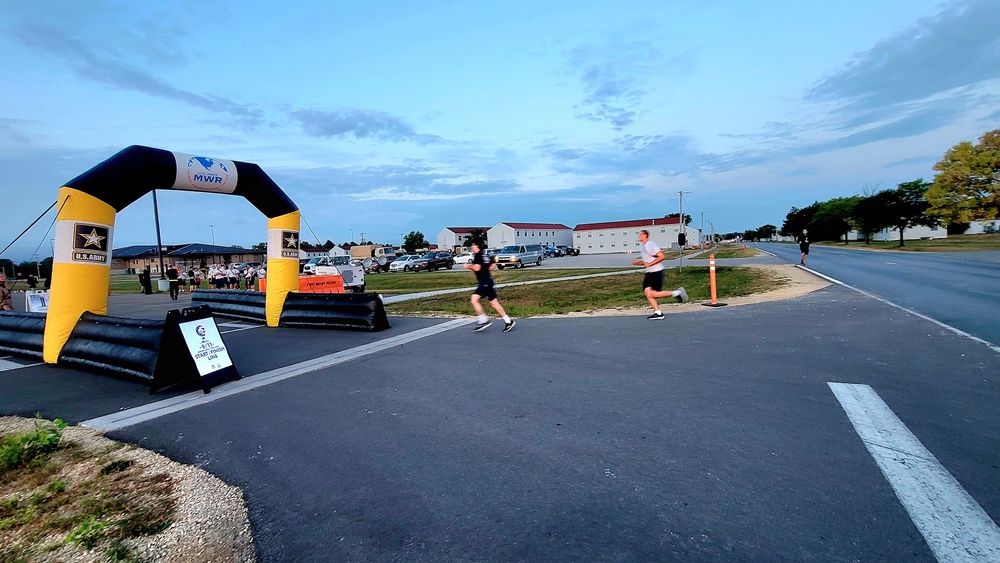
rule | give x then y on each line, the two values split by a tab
463	258
568	250
490	254
312	264
550	251
404	263
434	261
518	255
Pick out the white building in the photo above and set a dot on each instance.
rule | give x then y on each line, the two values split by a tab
451	237
983	227
623	236
912	233
339	251
552	234
312	253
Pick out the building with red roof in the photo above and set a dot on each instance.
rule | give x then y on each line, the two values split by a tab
623	236
452	237
552	234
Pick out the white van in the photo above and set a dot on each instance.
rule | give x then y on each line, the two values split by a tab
519	255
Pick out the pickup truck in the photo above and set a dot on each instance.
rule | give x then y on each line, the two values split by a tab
352	273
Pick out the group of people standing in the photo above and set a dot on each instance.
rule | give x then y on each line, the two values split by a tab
217	276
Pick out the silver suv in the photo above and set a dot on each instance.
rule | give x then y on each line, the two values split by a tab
519	255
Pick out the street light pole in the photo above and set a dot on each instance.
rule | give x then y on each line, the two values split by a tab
159	243
352	236
680	258
701	231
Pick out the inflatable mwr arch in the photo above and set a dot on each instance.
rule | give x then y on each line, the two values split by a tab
85	225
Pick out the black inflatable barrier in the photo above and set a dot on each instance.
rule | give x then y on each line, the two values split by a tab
117	344
148	349
22	333
245	305
352	311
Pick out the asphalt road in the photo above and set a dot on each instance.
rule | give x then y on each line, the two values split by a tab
713	435
960	289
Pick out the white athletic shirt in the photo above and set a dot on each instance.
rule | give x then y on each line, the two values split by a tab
649	252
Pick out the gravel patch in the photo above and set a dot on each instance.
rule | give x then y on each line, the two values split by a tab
210	522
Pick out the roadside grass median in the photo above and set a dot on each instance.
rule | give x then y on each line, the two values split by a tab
954	243
622	291
729	252
417	282
59	500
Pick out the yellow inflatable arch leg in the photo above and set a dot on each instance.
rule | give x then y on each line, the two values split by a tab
81	266
282	263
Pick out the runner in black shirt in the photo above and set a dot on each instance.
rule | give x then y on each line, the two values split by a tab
803	241
485	289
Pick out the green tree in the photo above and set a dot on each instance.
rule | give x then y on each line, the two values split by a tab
476	236
328	245
834	219
259	246
798	219
413	241
767	231
687	218
869	216
967	185
906	207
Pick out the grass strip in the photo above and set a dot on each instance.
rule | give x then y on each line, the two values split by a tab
607	292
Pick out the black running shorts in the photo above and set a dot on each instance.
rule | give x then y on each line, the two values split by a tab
653	280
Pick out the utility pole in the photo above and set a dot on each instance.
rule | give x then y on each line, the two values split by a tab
701	232
352	236
159	244
680	258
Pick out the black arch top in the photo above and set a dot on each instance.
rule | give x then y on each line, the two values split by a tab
134	171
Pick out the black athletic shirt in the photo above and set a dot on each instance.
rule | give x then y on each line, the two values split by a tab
483	274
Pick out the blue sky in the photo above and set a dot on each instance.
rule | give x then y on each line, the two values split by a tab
386	117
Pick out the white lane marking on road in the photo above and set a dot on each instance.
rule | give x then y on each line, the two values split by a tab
239	329
954	525
957	331
118	420
6	365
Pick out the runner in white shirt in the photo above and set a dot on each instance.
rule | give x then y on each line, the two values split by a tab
652	282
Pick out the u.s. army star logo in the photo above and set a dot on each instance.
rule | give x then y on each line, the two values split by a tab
289	244
90	243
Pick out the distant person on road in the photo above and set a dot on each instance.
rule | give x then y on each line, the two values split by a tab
485	289
652	282
6	299
803	241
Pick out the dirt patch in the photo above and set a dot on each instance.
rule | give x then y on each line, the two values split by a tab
210	521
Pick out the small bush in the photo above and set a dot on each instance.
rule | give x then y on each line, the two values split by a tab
18	450
88	534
